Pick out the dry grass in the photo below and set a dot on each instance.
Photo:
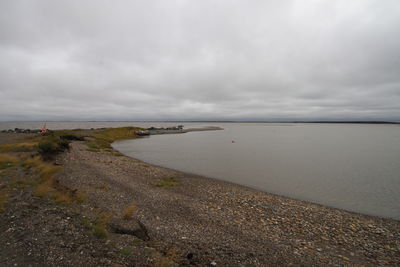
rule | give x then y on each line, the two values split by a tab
43	189
103	139
81	196
129	211
104	188
99	228
99	225
167	182
63	197
168	259
45	170
18	147
7	161
47	185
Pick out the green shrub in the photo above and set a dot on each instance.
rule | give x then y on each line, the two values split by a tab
72	137
50	147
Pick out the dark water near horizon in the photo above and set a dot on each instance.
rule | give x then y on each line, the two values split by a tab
355	167
349	166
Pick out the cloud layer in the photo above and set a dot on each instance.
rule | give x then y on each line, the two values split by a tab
208	60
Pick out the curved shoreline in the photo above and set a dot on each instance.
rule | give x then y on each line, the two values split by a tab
229	223
252	188
207	178
134	213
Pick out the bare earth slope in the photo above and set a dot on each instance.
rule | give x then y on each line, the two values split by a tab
203	221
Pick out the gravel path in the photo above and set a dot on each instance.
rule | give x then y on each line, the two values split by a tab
215	222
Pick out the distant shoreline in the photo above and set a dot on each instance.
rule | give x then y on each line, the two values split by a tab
214	121
187	219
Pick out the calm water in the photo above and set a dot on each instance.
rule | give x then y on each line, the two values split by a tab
350	166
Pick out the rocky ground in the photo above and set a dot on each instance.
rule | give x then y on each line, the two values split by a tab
160	217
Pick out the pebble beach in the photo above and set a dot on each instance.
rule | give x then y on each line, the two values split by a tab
227	224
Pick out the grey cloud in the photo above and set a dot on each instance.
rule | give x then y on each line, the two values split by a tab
258	60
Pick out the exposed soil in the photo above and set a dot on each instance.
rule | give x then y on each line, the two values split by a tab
196	221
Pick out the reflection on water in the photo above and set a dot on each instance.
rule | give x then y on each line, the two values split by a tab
349	166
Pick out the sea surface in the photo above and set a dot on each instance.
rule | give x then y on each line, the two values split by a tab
355	167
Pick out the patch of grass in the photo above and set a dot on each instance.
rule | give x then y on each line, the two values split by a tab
62	197
21	184
45	170
7	161
167	182
47	185
99	228
103	139
167	259
92	146
129	211
99	231
18	147
43	189
81	196
104	188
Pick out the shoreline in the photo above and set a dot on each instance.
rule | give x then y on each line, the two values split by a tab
205	178
184	219
199	176
252	187
201	213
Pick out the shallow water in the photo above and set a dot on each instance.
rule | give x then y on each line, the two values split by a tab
350	166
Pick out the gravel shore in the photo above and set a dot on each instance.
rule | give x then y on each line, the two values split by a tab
202	221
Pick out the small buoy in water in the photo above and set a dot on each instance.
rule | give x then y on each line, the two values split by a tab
233	141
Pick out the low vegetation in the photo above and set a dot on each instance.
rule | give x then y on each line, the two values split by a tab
167	182
99	226
8	161
18	147
72	137
47	185
104	188
50	147
103	138
166	259
129	211
101	223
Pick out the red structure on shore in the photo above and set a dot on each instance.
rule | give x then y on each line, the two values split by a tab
44	129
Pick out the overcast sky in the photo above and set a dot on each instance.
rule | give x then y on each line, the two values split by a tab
191	60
